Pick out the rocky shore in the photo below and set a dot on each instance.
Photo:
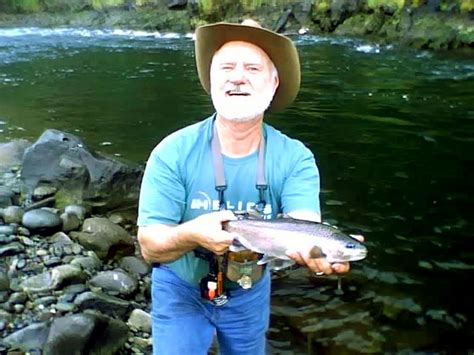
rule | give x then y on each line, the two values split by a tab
430	24
71	277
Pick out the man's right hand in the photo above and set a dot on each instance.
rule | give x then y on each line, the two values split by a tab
208	231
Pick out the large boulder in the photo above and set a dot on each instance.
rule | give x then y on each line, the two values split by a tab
11	153
106	239
62	160
90	333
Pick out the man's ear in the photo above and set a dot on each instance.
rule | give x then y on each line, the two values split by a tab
277	82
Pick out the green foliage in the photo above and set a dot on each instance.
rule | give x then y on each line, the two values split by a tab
25	5
251	5
466	5
375	4
101	4
322	6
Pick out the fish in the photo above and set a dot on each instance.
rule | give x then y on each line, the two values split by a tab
274	238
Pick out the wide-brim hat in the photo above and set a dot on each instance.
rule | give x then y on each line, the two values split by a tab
280	49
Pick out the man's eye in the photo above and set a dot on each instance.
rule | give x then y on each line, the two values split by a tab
253	69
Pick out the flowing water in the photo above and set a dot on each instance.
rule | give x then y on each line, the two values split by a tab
392	132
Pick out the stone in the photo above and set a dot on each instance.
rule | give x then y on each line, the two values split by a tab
9	229
53	279
140	320
4	281
109	305
115	281
76	210
70	222
11	249
13	214
135	265
43	191
11	153
41	220
79	332
32	337
87	263
62	160
106	239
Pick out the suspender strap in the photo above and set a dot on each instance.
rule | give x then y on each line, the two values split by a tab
219	177
219	174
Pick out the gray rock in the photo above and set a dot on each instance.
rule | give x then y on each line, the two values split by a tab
32	337
70	222
13	214
5	316
108	240
66	275
109	305
77	210
37	283
79	332
115	281
9	229
87	263
43	191
11	249
18	298
65	307
60	239
4	281
41	220
81	177
140	320
135	265
53	279
11	153
6	196
44	301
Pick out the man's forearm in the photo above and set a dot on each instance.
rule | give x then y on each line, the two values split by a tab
163	243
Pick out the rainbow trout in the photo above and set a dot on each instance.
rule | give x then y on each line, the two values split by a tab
274	238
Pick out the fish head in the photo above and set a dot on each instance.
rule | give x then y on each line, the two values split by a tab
344	251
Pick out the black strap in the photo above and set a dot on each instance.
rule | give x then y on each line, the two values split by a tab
219	175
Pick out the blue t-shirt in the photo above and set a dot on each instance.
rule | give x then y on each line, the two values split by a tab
179	184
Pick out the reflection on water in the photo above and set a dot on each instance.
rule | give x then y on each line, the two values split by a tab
392	131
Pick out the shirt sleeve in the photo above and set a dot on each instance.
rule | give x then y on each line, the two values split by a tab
301	186
162	192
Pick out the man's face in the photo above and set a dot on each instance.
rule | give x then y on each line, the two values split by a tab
243	81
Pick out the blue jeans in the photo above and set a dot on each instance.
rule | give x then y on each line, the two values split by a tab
184	323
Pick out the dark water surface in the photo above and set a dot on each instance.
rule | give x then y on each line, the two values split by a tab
393	133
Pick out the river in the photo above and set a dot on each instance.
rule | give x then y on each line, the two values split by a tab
392	130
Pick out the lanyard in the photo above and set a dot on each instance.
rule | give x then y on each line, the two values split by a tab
221	185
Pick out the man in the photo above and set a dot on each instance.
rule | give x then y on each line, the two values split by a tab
230	160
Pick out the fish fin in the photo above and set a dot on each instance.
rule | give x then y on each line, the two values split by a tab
237	246
280	264
254	214
316	252
266	259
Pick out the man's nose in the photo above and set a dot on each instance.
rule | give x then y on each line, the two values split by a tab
237	76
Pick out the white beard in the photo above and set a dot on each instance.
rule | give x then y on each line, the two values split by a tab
241	108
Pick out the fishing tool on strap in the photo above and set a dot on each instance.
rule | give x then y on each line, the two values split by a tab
240	267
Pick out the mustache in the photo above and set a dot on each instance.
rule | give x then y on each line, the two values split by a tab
237	89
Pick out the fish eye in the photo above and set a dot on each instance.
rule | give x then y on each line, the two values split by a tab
350	245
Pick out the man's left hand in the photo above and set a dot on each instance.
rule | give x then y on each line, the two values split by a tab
319	265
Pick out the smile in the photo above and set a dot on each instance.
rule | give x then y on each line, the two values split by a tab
236	93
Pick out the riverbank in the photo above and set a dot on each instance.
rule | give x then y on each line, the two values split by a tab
435	26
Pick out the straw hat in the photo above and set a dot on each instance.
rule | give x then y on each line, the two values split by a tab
279	48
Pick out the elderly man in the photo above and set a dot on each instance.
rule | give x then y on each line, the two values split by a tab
230	161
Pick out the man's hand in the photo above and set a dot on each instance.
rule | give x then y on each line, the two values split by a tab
208	232
318	265
321	265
